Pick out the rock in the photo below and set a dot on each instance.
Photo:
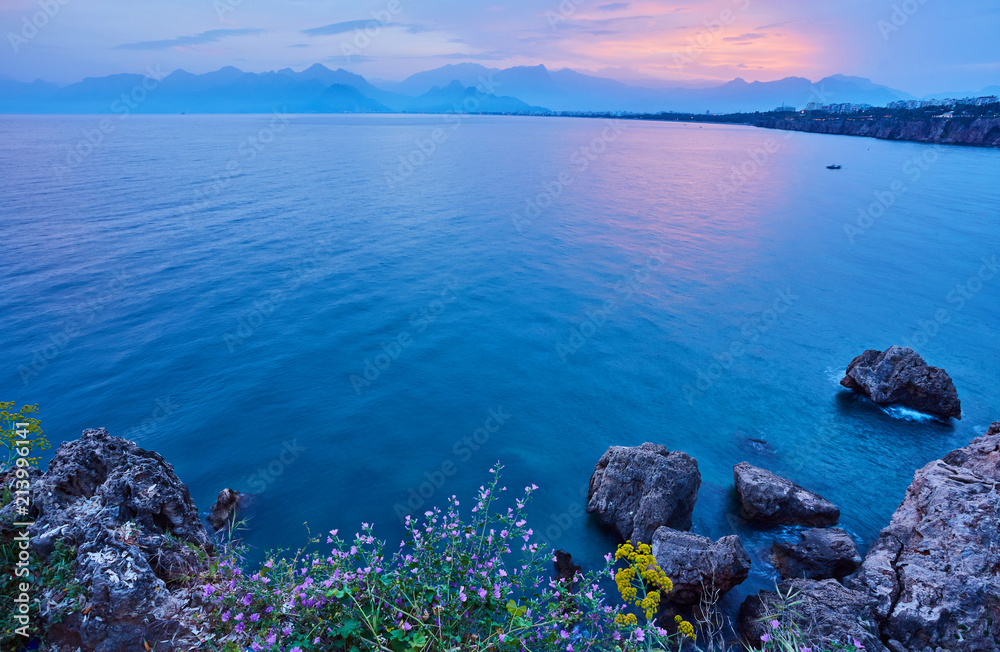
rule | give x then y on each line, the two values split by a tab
766	499
225	508
827	612
696	565
635	490
822	553
566	570
899	376
138	540
935	570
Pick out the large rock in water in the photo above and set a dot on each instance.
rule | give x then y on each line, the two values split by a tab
820	554
935	571
766	499
638	489
899	376
825	612
696	565
225	509
137	540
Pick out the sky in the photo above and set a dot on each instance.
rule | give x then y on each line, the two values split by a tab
918	46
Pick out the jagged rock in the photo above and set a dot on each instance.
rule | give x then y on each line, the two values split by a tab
225	508
935	571
820	554
137	538
696	565
899	376
566	570
827	612
766	499
635	490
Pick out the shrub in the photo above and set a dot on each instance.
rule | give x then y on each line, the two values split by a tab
453	585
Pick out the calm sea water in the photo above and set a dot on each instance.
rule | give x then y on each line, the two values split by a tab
328	310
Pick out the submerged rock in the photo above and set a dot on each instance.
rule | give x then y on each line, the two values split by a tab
935	571
566	570
635	490
225	509
136	538
899	376
826	612
697	565
767	499
821	553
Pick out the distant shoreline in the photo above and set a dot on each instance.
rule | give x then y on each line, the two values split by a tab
969	130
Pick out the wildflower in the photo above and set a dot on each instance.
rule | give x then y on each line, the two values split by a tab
208	590
765	638
857	644
254	617
269	564
775	624
640	635
272	638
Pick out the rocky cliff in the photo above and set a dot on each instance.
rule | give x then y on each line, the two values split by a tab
981	132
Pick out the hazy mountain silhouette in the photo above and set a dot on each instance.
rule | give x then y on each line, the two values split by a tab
319	89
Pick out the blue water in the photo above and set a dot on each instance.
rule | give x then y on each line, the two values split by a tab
215	320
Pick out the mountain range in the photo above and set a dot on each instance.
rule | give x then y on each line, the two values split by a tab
464	87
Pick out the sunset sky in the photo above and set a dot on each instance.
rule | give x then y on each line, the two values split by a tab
919	46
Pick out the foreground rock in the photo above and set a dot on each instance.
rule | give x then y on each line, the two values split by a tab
635	490
225	509
935	571
136	537
566	570
899	376
766	499
696	565
826	613
821	553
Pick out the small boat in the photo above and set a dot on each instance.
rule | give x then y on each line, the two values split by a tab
833	167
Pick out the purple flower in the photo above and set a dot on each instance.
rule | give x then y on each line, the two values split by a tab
775	624
765	638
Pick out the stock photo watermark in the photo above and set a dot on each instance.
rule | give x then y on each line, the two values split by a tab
122	106
424	148
42	356
713	30
31	26
580	160
956	299
247	152
364	36
391	350
914	169
595	320
268	474
265	305
750	332
461	452
21	609
899	17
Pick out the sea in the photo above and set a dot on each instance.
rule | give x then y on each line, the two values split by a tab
354	317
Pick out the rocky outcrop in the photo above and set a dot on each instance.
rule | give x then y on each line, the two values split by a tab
225	509
935	571
635	490
696	565
899	376
766	499
820	554
566	570
826	612
138	541
981	132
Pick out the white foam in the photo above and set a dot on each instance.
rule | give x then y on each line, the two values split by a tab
907	414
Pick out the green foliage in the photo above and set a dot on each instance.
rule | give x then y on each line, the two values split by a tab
454	585
785	634
10	438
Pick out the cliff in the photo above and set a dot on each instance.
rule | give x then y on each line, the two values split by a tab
980	132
